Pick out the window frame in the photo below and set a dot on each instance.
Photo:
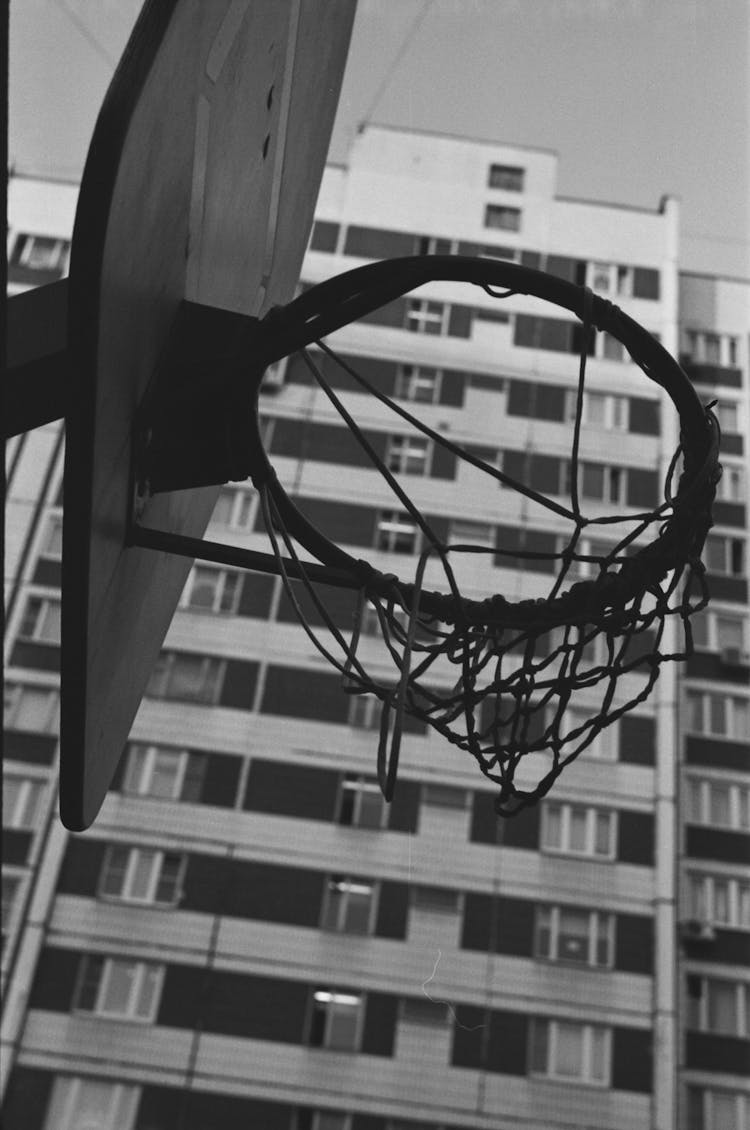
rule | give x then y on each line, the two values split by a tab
511	178
552	1039
15	878
13	695
615	414
710	620
419	316
614	482
51	543
26	248
597	919
130	871
700	796
506	211
28	802
64	1109
340	996
409	455
390	526
364	710
697	347
223	578
150	753
487	530
359	785
732	714
698	1018
411	380
592	812
732	486
348	886
733	545
35	634
136	990
702	904
164	671
241	507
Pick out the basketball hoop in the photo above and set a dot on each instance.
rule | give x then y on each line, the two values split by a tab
518	685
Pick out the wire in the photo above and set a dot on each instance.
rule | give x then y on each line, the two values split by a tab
388	77
87	34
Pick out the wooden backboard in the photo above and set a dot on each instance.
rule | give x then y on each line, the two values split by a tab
200	184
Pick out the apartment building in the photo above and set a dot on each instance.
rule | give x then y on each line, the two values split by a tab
715	751
249	935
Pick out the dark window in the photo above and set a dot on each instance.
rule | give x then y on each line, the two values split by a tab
499	216
509	177
324	236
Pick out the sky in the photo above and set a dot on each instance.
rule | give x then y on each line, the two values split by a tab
638	97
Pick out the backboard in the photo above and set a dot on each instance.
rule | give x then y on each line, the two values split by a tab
200	185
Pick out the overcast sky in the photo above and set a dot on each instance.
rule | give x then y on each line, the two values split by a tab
638	97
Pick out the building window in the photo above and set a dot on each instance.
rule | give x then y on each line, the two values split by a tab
721	900
603	746
164	772
573	829
425	317
336	1020
362	804
188	678
418	383
509	177
213	590
52	541
41	253
396	532
142	875
625	277
718	803
601	277
88	1104
408	455
22	801
605	484
349	905
365	711
435	245
585	548
718	715
710	1109
600	410
41	620
725	555
719	1006
719	631
562	1049
11	885
322	1120
727	413
31	708
472	533
234	508
127	990
731	485
498	216
570	934
706	348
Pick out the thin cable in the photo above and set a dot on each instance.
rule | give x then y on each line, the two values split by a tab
388	77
